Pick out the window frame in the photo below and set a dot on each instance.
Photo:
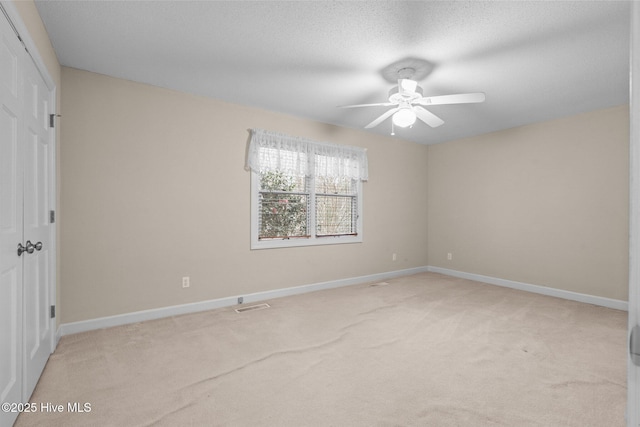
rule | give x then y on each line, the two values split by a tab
313	239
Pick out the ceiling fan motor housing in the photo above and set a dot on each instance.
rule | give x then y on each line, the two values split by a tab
401	98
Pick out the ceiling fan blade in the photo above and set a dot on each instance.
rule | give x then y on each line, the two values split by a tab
462	98
380	104
428	117
382	118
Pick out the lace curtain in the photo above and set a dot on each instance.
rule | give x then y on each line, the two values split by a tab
269	151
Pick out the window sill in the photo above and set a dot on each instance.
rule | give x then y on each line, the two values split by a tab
315	241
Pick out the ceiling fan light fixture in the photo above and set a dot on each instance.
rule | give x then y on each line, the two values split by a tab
408	85
404	118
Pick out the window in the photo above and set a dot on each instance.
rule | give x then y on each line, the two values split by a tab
304	192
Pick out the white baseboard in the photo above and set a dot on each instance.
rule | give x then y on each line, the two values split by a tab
157	313
559	293
58	335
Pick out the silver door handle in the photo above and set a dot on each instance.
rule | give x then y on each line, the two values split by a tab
29	248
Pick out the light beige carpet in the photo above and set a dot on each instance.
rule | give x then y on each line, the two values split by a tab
424	350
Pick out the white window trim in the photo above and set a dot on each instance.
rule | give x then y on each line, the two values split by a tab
312	240
355	166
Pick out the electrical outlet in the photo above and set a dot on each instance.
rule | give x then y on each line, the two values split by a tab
185	282
394	257
449	256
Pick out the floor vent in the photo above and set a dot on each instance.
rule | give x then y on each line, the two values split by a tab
252	307
380	284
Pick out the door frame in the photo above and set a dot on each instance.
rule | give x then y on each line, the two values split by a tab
17	22
633	376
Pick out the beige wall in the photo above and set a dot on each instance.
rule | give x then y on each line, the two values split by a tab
154	188
31	19
545	204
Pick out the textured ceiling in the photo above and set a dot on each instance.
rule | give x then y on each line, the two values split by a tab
534	60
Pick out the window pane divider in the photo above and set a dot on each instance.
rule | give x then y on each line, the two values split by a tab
312	204
336	194
293	193
308	236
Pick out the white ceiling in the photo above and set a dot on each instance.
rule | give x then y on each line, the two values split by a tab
534	60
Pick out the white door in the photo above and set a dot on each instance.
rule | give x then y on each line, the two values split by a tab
37	326
26	337
11	222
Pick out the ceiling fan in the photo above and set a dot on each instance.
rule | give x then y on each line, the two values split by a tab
408	103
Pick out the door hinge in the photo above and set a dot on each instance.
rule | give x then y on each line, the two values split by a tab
52	120
52	217
53	312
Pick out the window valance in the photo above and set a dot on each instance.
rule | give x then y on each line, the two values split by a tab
272	151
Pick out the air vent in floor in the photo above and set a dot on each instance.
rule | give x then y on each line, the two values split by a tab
252	307
379	284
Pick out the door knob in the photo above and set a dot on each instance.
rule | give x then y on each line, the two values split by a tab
29	248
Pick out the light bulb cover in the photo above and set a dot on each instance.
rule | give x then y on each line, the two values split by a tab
403	118
408	85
